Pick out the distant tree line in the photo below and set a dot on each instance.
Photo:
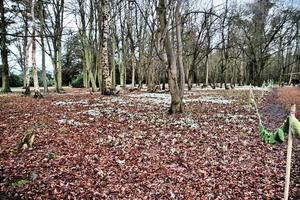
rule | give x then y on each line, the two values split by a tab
99	44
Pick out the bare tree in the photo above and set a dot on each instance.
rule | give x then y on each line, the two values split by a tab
176	100
55	13
37	93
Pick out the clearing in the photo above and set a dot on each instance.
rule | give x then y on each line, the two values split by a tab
128	147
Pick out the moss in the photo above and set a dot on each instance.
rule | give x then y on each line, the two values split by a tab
20	183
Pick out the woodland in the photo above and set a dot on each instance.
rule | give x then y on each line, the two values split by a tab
149	99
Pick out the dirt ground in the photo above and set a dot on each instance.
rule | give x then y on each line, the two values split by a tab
127	146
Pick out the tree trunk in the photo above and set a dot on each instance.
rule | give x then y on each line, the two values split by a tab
37	93
133	70
34	67
190	79
141	64
99	69
43	49
106	77
163	79
59	65
88	60
206	70
123	53
132	45
4	51
123	64
241	72
54	62
296	52
85	75
26	66
55	50
151	82
113	63
26	46
141	61
179	50
176	101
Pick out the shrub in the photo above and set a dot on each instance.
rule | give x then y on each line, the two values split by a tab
15	80
50	80
78	82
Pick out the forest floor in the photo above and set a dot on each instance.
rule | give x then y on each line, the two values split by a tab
127	146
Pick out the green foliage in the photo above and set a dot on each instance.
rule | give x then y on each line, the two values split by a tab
278	135
296	127
51	156
271	138
50	81
78	82
72	61
20	183
14	80
69	73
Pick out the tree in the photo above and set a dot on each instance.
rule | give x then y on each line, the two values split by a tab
24	47
176	99
260	32
42	35
4	50
179	49
106	76
87	41
55	13
37	93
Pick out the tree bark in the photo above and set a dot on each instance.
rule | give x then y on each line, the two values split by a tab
123	54
37	93
123	63
106	76
45	84
56	29
4	51
59	66
179	49
113	62
132	45
176	101
26	47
